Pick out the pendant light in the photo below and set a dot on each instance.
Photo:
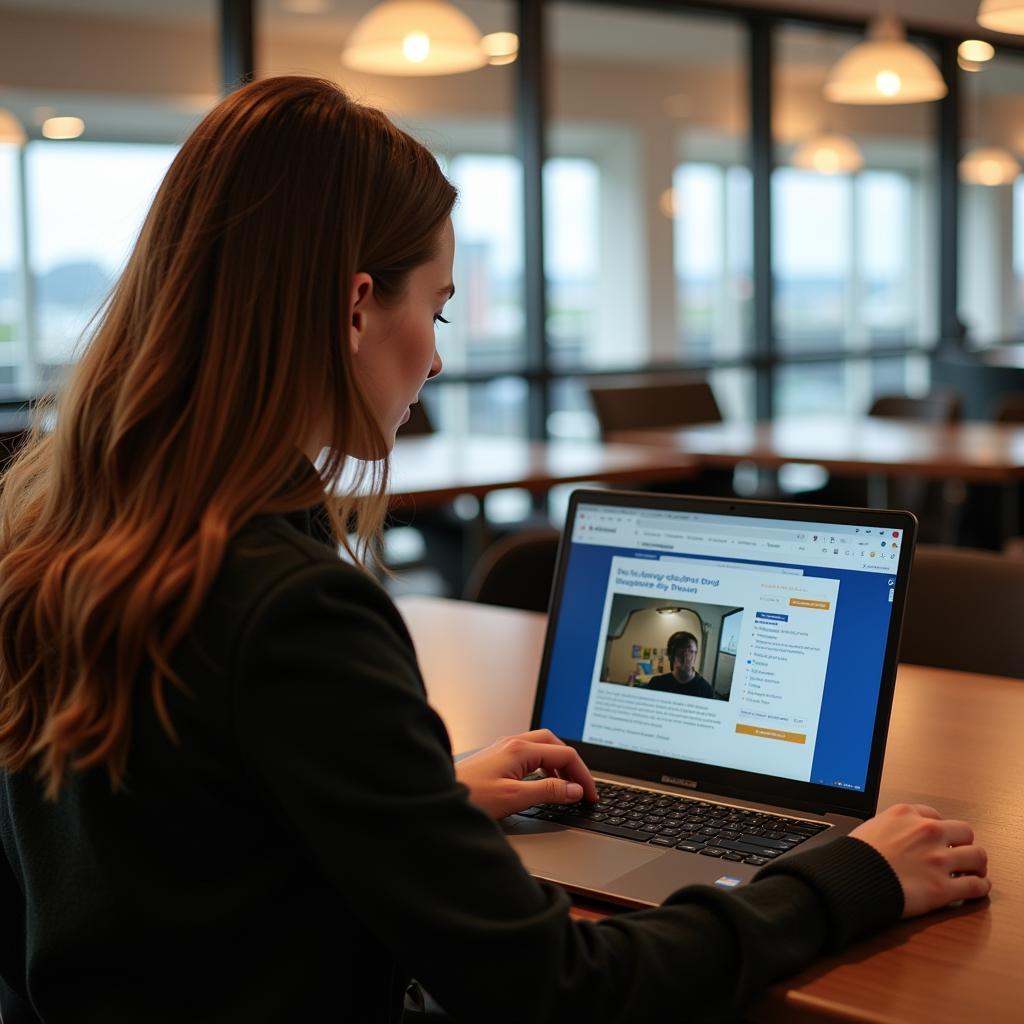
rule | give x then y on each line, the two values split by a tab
1002	16
829	153
884	69
989	165
12	131
414	37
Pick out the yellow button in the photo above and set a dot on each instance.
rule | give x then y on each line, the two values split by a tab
771	734
803	602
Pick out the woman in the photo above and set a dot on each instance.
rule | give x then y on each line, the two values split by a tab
224	797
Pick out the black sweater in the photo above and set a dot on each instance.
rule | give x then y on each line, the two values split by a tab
305	848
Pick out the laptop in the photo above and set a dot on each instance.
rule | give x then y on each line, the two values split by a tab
726	670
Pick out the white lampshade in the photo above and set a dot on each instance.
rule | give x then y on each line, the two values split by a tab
977	51
500	47
989	165
884	69
62	127
829	153
1002	16
11	129
414	37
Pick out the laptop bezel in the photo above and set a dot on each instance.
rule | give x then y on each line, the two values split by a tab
731	782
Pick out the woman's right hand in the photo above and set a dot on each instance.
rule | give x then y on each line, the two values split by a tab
935	859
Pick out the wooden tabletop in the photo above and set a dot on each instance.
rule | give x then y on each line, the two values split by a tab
976	452
434	469
953	743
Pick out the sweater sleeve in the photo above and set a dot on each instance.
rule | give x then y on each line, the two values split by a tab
332	721
14	1009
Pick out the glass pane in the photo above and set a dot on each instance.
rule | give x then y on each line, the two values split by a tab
572	254
86	204
572	415
496	408
137	77
855	250
647	191
991	296
466	120
12	320
834	388
712	212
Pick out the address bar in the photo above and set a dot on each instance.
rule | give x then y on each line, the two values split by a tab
742	531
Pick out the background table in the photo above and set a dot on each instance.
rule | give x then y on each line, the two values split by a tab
432	470
954	742
864	446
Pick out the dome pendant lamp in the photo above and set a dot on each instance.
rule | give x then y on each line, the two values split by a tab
414	37
885	69
829	153
989	165
11	130
1002	16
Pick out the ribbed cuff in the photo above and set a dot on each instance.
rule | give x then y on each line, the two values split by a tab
858	888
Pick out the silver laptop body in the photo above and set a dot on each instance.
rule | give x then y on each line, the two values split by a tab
795	612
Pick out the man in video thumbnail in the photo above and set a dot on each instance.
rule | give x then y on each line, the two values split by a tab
684	678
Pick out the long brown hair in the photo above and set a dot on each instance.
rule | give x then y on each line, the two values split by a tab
223	349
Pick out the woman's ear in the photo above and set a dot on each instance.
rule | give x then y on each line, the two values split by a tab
361	300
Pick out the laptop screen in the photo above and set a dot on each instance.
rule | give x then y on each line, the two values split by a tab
742	642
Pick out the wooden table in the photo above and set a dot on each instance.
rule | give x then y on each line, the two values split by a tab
871	447
975	452
954	743
432	470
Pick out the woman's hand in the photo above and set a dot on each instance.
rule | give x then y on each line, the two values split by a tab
935	859
495	775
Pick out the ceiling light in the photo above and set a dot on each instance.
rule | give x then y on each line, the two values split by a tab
829	153
967	65
1002	16
976	50
63	127
989	165
12	131
414	37
500	47
884	69
670	203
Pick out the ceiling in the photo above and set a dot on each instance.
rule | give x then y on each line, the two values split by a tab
952	15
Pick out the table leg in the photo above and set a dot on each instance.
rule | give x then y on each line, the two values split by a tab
1009	511
878	491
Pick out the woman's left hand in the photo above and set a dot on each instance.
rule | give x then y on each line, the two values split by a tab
495	775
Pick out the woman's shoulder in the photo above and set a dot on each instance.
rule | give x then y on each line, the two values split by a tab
277	559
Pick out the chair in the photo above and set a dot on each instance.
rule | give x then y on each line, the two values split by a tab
938	505
1009	408
943	407
985	517
964	611
435	537
636	403
516	571
419	423
639	402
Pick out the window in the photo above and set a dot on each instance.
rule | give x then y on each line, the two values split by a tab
711	207
649	247
87	202
854	248
12	313
991	257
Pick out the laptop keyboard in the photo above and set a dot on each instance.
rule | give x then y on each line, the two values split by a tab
683	823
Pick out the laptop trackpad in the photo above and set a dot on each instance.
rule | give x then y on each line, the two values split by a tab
583	859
